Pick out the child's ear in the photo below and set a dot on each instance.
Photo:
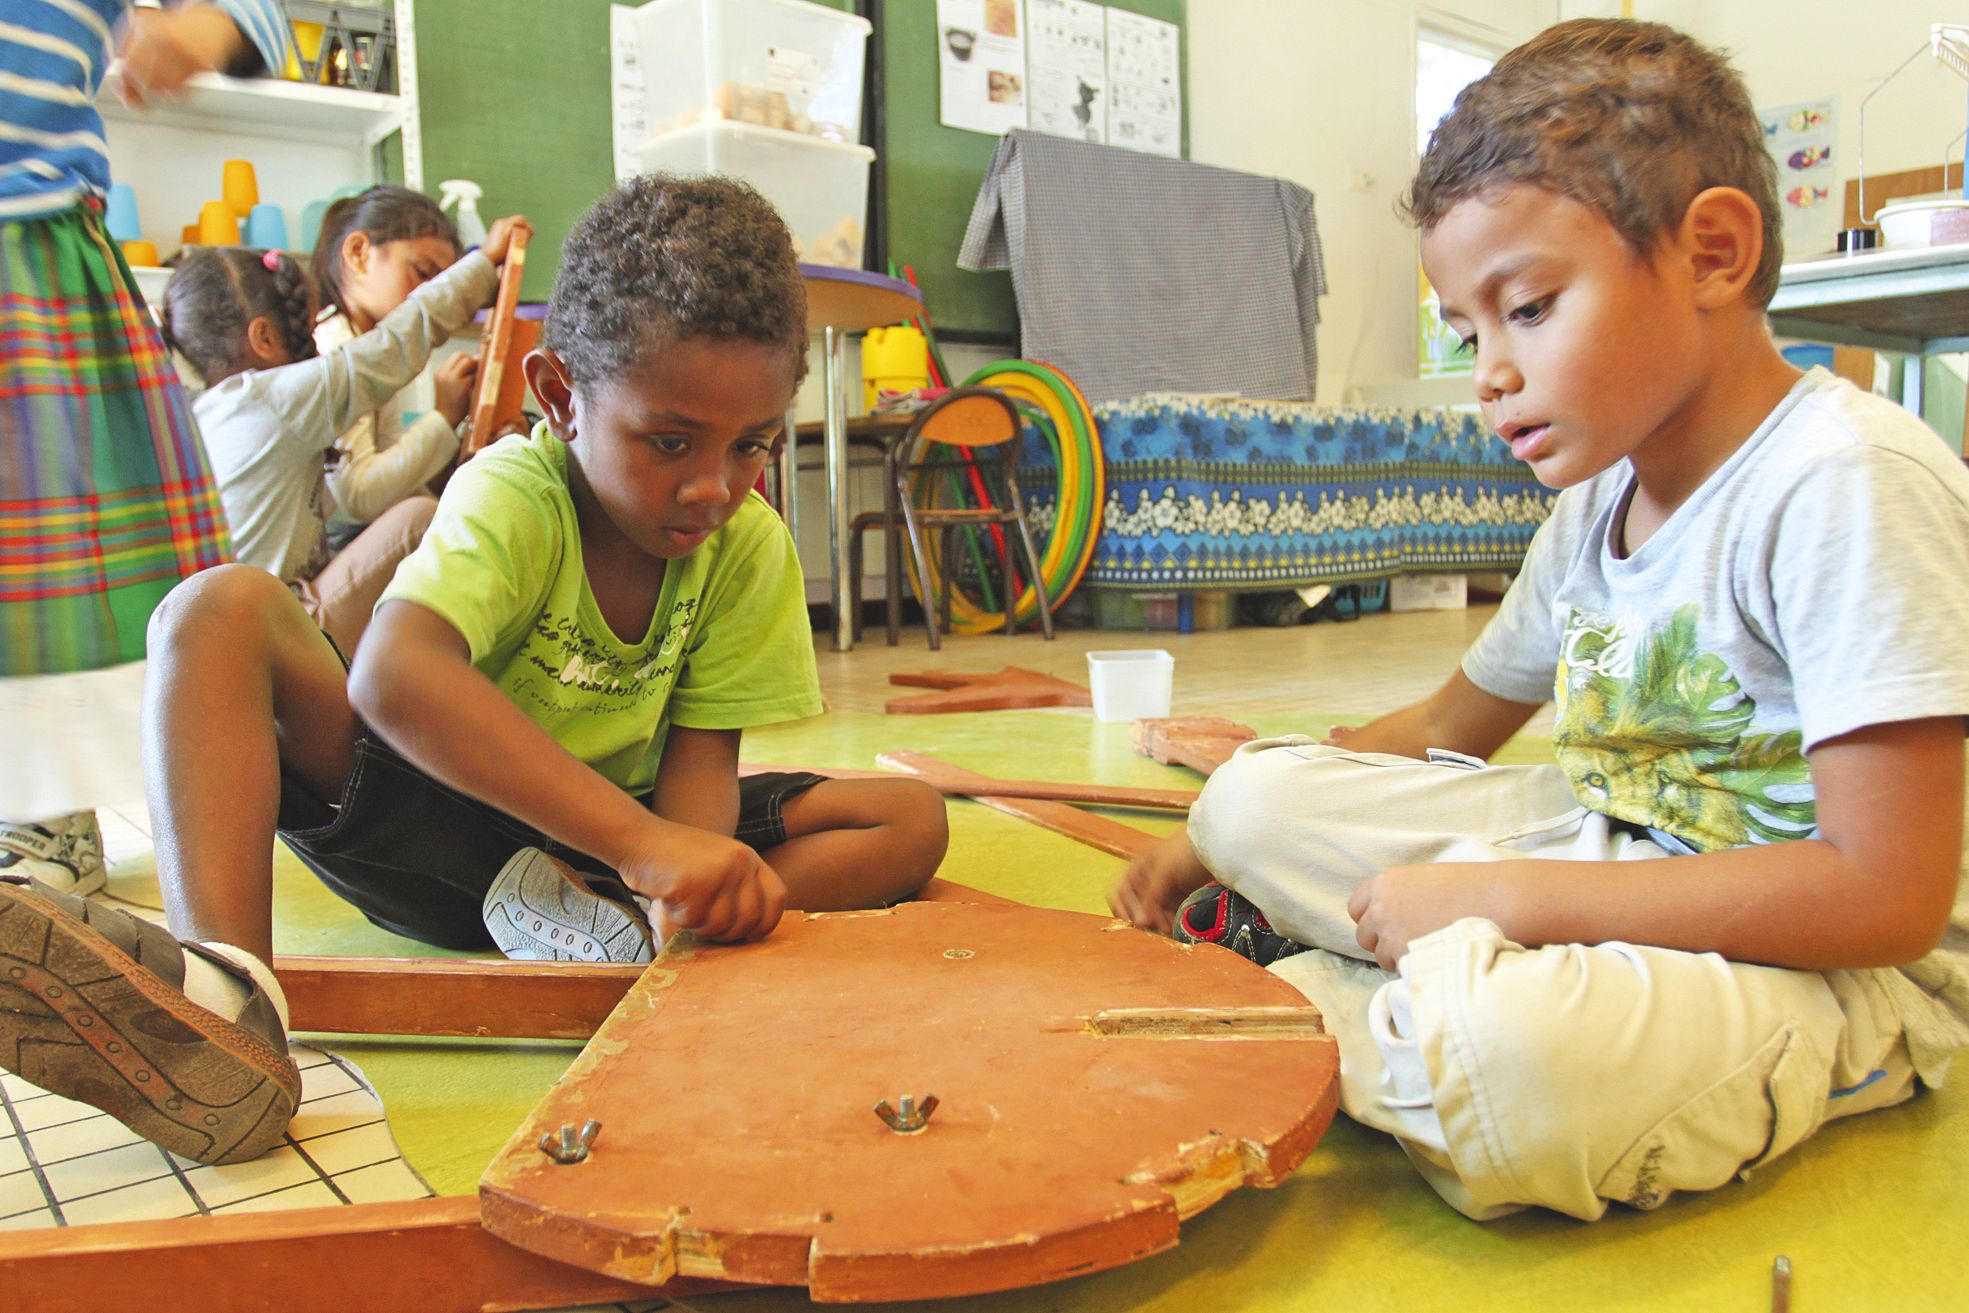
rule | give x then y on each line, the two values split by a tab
552	387
266	342
356	250
1723	240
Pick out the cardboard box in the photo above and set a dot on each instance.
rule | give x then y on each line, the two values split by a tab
1428	592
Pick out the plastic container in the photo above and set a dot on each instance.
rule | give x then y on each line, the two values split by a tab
819	187
893	360
464	194
1131	683
780	64
1906	224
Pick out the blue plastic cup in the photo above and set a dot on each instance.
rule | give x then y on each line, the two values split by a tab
266	227
120	215
311	223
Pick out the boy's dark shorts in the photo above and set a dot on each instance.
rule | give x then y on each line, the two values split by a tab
416	856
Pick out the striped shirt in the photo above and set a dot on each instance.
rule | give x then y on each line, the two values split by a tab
53	54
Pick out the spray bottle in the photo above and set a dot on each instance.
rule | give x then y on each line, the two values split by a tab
464	193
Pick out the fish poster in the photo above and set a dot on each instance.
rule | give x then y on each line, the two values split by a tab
1811	184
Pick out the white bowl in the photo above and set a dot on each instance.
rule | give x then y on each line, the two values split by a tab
1906	223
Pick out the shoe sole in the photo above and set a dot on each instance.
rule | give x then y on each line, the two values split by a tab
537	910
79	1018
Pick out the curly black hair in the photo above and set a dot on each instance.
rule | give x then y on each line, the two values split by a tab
662	258
217	291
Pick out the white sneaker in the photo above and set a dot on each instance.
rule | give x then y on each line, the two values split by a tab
539	909
65	853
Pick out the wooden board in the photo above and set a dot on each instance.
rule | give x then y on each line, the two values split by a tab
1000	690
495	402
1097	1085
1203	743
430	1255
1061	818
946	778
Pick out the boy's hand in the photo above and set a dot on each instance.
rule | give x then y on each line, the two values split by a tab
499	237
715	887
1156	883
1404	903
452	386
162	48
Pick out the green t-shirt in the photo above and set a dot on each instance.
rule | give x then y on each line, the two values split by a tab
728	647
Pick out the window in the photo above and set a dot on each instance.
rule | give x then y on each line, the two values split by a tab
1441	70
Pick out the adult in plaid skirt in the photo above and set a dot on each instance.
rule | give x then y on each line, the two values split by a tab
106	501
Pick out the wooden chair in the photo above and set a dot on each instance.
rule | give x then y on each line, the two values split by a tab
966	430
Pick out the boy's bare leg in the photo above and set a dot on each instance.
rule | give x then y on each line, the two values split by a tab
241	684
859	843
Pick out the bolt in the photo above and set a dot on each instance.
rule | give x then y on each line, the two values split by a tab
570	1146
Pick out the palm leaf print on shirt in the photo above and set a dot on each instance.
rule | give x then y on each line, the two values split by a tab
1652	729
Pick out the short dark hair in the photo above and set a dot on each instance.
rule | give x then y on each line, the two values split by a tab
383	213
1629	119
217	291
662	258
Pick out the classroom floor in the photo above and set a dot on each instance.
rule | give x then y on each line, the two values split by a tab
1865	1210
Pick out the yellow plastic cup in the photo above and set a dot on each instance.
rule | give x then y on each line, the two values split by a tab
239	187
218	225
893	360
140	253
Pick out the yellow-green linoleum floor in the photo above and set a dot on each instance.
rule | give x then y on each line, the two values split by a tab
1872	1212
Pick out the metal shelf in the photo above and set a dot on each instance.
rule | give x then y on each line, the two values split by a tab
1913	301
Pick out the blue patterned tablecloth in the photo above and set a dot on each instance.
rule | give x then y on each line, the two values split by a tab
1210	495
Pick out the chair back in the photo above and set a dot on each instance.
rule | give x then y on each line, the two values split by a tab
969	417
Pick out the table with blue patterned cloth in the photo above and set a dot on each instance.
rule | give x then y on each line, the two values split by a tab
1206	494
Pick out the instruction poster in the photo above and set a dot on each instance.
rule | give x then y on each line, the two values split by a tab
1067	63
1811	193
981	53
1145	83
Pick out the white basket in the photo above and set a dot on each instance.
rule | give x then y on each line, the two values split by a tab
1131	683
780	64
819	187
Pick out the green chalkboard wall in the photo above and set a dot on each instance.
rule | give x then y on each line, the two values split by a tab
515	95
932	173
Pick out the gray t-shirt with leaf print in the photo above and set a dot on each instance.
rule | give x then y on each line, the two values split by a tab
1817	583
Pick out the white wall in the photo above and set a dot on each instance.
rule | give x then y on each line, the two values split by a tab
1322	92
1791	51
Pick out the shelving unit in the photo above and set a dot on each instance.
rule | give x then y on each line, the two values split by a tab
267	107
1915	302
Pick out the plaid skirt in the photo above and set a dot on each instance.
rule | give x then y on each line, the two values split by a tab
106	498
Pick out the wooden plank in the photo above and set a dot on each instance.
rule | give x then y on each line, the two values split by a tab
431	1255
1109	836
496	354
1203	743
1002	690
1096	1085
967	784
451	996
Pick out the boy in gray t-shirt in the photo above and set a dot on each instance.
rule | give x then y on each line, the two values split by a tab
1750	605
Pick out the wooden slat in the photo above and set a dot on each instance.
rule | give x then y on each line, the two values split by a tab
1061	818
430	1255
967	784
451	996
1002	690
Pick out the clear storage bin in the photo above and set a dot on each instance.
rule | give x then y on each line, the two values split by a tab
819	187
781	64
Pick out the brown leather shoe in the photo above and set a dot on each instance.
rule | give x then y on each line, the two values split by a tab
92	1007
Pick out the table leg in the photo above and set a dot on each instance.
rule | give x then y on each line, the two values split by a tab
1914	378
789	476
834	371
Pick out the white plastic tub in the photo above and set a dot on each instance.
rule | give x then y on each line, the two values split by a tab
781	64
1906	224
1131	683
819	187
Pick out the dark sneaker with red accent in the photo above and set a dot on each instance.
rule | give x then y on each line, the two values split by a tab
1216	915
92	1007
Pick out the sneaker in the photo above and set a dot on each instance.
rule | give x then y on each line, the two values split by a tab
66	853
92	1007
540	909
1216	915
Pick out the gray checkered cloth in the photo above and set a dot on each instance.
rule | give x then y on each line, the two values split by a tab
1136	273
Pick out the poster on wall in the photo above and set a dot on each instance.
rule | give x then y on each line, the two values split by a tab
1067	67
1811	191
981	56
1145	84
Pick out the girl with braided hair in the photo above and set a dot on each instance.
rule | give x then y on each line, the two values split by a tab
272	410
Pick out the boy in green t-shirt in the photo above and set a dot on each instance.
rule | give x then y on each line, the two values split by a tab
537	742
